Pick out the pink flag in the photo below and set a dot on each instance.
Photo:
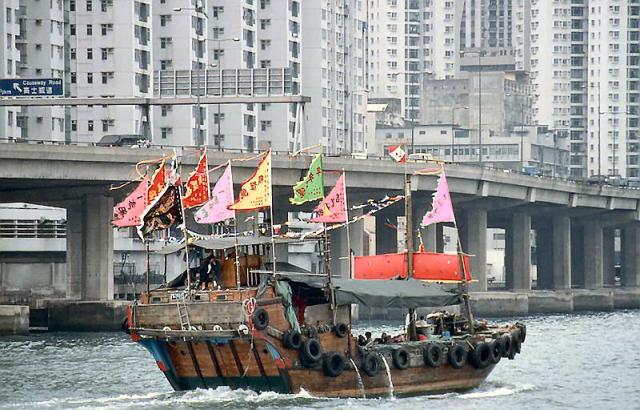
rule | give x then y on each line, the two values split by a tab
333	208
442	210
127	212
215	210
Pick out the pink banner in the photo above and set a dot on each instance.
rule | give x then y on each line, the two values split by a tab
215	210
127	212
442	209
333	208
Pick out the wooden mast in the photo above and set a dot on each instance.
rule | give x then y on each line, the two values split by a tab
408	212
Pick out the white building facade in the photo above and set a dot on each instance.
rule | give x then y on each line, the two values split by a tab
9	61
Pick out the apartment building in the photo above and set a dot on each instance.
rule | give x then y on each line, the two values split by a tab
110	49
9	60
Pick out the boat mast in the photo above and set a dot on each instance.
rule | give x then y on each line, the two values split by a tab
408	212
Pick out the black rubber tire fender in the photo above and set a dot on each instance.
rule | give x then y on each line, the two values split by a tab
401	358
292	339
496	347
457	356
260	318
481	355
371	364
333	364
515	348
341	329
433	355
310	352
506	345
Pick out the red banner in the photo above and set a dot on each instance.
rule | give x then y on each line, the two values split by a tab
197	185
157	183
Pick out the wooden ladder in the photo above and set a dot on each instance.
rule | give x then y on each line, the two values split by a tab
183	313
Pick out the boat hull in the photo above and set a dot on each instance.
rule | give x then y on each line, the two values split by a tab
258	365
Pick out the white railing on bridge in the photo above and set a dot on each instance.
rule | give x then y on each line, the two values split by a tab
224	82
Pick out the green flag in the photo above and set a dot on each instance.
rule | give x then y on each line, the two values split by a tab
312	186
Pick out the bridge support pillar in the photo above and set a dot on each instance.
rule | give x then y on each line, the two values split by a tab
631	256
386	237
561	239
608	256
473	235
544	253
90	248
593	255
519	252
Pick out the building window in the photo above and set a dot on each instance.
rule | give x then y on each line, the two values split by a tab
89	5
105	125
72	29
264	44
218	32
264	125
72	53
164	19
103	5
165	110
166	64
72	5
265	63
106	76
90	125
264	23
165	42
217	11
89	29
90	78
166	132
104	28
73	77
217	53
218	117
89	54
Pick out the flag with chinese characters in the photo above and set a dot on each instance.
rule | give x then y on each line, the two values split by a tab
398	154
216	209
162	213
197	187
255	192
158	181
441	208
333	208
127	212
312	186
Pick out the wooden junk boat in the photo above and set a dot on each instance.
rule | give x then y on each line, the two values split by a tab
287	331
274	327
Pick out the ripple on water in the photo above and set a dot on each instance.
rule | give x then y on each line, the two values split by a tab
587	361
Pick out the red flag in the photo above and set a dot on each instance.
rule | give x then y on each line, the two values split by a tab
157	183
197	184
398	154
164	212
127	212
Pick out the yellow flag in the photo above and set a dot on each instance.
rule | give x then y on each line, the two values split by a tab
255	192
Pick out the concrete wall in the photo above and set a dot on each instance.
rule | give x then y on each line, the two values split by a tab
14	320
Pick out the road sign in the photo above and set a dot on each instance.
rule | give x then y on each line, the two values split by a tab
30	87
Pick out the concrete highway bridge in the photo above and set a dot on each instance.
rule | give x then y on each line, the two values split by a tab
574	222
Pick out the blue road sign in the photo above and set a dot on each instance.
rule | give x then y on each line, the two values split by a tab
30	87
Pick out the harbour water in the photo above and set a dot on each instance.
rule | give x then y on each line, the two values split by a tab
588	361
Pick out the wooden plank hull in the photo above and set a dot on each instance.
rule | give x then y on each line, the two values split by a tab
265	366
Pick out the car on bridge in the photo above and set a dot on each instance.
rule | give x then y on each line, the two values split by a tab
123	140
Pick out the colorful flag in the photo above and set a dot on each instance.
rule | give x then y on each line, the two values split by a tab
216	209
333	208
442	209
162	213
197	184
158	182
398	154
312	186
127	212
255	192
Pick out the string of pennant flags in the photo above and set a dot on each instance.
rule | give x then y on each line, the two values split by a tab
158	202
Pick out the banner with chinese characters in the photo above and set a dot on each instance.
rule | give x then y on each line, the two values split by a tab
312	186
333	208
127	212
197	187
216	209
158	181
255	192
164	212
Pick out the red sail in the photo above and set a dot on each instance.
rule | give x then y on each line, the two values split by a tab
426	266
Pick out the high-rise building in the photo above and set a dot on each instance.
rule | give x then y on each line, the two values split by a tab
9	61
110	48
586	72
41	45
179	43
